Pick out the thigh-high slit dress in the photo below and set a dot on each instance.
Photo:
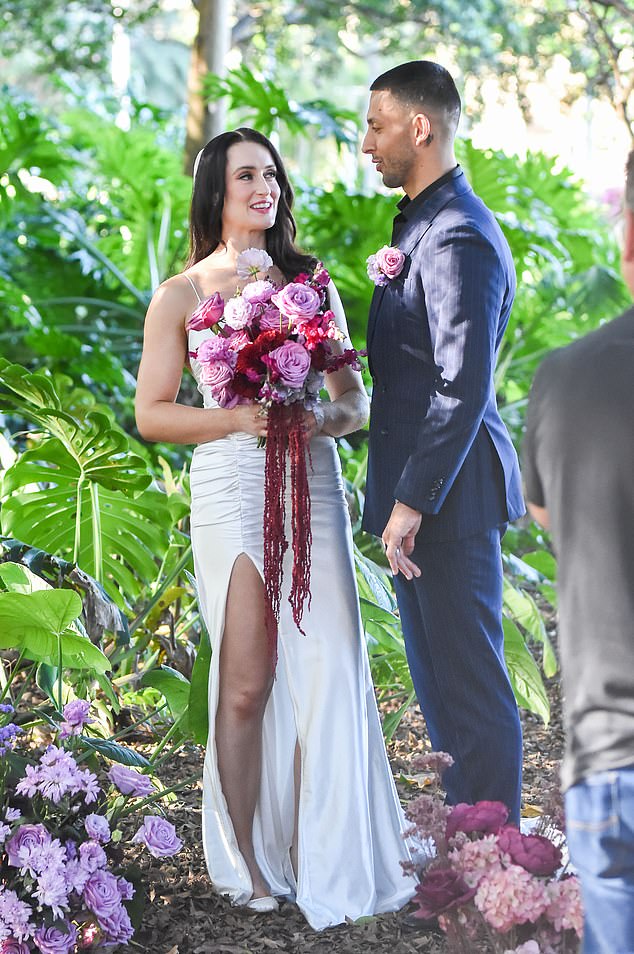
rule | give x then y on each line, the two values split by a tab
350	827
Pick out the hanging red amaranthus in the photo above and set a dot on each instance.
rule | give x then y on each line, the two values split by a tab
286	440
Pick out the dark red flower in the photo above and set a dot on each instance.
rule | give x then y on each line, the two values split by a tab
485	817
440	890
250	356
537	854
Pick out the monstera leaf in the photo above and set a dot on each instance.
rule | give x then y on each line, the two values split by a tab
81	492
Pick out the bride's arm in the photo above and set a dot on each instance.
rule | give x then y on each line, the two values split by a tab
158	416
348	408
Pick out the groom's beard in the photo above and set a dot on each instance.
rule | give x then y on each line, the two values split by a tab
396	170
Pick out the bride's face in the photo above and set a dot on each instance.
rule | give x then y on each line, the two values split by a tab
251	189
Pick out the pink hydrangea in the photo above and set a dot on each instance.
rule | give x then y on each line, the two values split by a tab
534	852
564	908
509	896
476	858
486	817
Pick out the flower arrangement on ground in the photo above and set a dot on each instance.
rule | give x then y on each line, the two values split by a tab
63	887
490	886
272	345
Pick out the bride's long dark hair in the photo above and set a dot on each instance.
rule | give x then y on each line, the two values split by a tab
205	219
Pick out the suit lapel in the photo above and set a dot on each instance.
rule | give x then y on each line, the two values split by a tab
414	231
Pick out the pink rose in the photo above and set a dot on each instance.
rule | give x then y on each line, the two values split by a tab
207	313
486	817
390	260
290	364
217	376
535	853
297	301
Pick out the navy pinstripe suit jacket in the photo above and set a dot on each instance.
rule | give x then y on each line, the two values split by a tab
437	442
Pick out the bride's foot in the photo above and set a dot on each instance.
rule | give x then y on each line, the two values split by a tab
262	905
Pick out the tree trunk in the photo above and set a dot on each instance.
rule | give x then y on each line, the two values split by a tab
209	53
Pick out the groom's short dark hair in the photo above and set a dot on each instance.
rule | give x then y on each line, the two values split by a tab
422	85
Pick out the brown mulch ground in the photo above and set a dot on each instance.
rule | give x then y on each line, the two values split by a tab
185	916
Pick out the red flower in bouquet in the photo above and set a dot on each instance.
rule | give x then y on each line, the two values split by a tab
535	853
485	817
440	890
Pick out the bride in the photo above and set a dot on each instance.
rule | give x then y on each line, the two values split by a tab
298	797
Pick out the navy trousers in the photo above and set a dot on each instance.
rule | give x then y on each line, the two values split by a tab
452	624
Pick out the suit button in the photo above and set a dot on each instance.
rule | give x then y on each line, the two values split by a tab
384	431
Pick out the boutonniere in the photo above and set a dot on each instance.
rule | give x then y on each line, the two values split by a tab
385	264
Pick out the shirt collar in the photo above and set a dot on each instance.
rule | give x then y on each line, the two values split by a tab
408	207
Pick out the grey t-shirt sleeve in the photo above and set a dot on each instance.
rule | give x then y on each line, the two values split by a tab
532	479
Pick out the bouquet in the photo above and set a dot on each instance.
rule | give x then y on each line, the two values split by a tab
63	889
272	345
490	886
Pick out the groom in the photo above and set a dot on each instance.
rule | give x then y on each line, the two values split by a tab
443	478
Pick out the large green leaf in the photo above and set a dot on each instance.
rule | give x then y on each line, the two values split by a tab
120	537
199	691
522	608
526	680
174	686
38	623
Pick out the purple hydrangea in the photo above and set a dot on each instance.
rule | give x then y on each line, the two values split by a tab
159	837
56	940
6	707
130	782
97	828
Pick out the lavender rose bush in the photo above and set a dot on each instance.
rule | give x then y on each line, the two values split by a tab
63	889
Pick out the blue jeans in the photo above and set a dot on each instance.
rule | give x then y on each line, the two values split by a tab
452	625
600	831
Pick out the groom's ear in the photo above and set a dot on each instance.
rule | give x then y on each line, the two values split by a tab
422	129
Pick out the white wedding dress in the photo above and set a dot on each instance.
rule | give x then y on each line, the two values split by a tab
351	825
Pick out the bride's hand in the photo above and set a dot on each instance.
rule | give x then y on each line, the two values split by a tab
250	419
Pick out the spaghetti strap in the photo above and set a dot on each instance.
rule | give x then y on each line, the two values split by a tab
194	287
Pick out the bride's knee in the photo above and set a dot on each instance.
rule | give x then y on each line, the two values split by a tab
245	702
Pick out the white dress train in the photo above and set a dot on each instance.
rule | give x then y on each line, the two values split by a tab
350	838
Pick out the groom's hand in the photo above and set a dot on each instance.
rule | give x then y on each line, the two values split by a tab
399	538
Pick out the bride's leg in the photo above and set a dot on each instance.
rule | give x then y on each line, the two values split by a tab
245	682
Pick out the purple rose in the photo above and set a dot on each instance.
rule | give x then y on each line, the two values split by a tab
289	363
54	940
440	890
126	889
207	313
258	293
297	301
485	817
130	782
92	856
270	319
97	828
159	837
13	946
238	313
26	844
101	894
535	853
117	926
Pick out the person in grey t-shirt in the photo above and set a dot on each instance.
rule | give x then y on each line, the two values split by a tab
578	461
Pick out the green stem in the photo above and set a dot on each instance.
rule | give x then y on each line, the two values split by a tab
171	732
77	542
147	609
96	532
7	680
158	795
